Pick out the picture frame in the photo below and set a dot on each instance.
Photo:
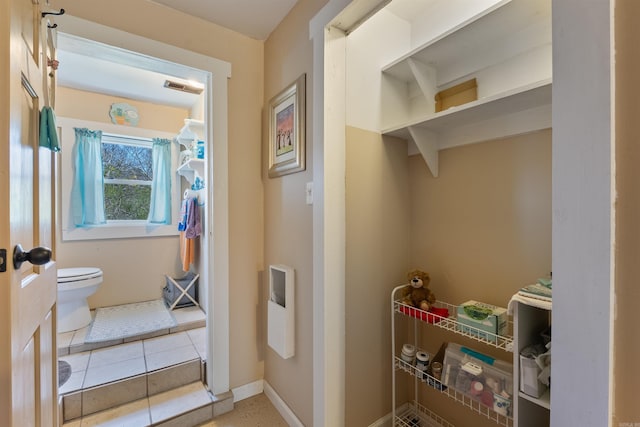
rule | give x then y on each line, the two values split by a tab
287	130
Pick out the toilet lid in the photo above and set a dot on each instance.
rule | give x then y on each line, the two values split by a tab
79	273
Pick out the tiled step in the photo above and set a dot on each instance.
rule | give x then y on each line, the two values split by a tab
74	341
114	376
185	406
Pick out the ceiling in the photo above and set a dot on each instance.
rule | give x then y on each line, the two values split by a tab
253	18
98	68
113	71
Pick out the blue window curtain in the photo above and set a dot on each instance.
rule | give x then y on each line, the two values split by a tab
87	192
160	209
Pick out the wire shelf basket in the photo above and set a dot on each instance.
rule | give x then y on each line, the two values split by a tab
450	323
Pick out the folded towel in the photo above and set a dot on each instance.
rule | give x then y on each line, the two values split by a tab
48	130
534	302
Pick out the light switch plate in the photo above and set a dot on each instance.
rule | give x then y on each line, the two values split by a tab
309	193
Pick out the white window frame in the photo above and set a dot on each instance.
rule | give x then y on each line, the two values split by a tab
114	229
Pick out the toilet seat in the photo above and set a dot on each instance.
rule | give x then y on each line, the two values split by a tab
66	275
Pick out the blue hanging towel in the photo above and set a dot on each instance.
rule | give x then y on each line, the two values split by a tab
184	208
48	130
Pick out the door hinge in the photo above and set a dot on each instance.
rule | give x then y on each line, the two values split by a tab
3	260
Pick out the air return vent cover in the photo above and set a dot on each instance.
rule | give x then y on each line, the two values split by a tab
183	87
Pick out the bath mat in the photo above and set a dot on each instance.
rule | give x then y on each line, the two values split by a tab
124	321
64	372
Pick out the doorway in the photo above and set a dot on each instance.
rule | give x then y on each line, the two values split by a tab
145	54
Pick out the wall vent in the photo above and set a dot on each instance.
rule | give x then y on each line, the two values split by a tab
183	87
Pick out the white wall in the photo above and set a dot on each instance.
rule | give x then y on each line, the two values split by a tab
582	213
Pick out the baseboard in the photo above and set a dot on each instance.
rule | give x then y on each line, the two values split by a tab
247	390
281	406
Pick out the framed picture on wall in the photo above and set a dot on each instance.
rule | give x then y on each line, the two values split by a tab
287	130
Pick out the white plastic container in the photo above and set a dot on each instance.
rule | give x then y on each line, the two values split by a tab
422	363
408	353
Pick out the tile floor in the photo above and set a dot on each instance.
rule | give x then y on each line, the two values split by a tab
191	401
110	364
73	342
141	379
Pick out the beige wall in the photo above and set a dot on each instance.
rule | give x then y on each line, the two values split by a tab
134	268
287	218
377	253
153	21
95	107
627	292
482	229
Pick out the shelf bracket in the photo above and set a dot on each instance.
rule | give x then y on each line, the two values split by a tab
425	76
427	143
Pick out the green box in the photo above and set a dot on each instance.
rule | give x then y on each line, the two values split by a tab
475	317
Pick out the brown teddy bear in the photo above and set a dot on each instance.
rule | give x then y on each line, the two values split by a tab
417	293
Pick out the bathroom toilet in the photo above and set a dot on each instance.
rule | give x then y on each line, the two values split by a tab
74	286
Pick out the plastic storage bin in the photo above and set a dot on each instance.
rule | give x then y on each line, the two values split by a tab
481	377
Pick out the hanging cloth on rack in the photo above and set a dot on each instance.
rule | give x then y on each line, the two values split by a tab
194	227
182	225
48	130
187	251
190	228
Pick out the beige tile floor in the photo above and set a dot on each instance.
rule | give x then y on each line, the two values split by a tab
106	365
154	409
97	365
74	341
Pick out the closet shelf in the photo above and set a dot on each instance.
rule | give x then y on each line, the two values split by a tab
526	97
544	400
190	132
507	20
191	169
513	112
450	323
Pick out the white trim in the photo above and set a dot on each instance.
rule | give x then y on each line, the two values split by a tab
215	74
281	406
248	390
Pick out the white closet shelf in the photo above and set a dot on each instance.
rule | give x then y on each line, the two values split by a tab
503	21
544	400
190	132
517	111
191	169
519	99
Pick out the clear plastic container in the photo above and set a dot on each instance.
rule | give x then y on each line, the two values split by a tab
481	377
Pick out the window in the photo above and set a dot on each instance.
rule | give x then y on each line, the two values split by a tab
127	162
128	172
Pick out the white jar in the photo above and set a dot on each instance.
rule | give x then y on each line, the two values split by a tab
422	363
408	353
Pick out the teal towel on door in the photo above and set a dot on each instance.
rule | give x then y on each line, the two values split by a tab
48	130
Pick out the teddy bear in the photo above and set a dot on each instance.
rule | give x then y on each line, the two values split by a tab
417	293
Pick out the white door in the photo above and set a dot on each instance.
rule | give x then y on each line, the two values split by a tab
28	359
